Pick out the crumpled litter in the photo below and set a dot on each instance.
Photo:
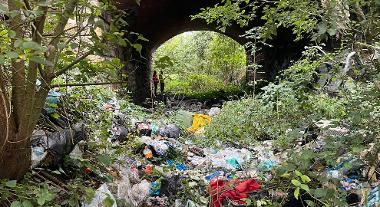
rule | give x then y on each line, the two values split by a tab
267	165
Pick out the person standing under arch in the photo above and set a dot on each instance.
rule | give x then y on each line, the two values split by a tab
155	82
162	82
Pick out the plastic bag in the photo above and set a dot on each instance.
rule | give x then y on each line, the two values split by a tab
199	121
101	194
170	131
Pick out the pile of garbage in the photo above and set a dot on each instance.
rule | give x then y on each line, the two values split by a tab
165	168
168	170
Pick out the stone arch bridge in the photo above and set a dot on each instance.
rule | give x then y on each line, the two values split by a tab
160	20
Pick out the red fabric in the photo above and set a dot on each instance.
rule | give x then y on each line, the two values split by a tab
235	190
155	79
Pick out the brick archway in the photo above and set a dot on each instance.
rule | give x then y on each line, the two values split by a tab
160	20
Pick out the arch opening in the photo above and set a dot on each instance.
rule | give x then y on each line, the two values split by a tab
200	63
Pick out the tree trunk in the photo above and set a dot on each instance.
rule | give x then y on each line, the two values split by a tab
15	157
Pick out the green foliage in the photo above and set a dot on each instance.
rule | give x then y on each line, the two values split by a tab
24	195
290	104
44	196
225	13
199	62
307	19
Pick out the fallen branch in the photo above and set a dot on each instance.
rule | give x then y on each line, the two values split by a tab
86	84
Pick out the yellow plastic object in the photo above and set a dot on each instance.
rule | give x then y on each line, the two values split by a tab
199	121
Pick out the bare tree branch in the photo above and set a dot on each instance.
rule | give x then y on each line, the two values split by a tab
86	84
76	34
59	29
33	68
55	36
53	55
3	84
18	69
27	5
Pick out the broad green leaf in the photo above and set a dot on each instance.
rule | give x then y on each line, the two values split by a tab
44	196
13	13
298	173
90	194
11	183
108	202
32	45
320	192
2	60
61	46
322	28
74	45
310	203
73	202
305	187
27	203
3	8
37	59
296	183
18	3
51	105
297	193
138	47
18	43
11	33
40	60
55	115
44	3
11	55
331	31
305	178
105	159
16	204
141	37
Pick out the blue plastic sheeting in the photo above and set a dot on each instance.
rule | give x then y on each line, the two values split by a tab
52	99
373	197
